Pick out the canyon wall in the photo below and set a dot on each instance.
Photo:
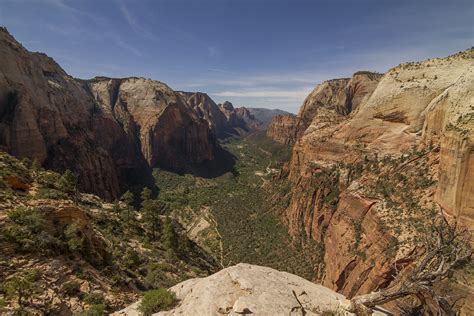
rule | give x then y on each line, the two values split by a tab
374	156
284	129
329	101
48	116
110	132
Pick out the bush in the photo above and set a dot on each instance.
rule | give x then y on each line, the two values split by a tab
132	258
26	227
94	299
157	300
50	193
74	238
94	310
71	288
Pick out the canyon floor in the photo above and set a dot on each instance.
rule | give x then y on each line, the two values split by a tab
235	216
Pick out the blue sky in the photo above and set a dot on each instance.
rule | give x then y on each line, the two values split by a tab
260	53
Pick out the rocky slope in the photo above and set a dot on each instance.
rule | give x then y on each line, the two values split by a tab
47	115
108	131
249	289
73	252
368	173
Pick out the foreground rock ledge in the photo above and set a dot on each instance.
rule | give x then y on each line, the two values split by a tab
246	289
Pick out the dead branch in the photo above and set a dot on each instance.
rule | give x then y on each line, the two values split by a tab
443	251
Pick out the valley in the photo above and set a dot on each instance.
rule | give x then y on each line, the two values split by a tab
125	196
239	211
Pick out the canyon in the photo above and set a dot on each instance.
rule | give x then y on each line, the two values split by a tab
110	132
340	193
351	137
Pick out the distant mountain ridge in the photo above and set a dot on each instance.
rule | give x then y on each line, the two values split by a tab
109	131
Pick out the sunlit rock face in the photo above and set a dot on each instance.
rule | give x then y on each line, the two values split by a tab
425	106
108	131
246	289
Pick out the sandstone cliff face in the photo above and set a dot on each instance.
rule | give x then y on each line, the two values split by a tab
329	101
284	129
208	110
108	131
224	120
169	131
249	119
414	124
46	115
250	289
233	118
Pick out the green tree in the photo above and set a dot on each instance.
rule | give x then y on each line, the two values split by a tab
75	240
145	195
68	184
151	211
128	199
170	237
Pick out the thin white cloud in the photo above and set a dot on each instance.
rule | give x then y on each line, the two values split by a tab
128	47
134	25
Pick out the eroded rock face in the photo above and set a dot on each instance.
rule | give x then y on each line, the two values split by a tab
249	119
208	110
329	101
107	131
249	289
284	129
46	115
170	133
233	118
413	107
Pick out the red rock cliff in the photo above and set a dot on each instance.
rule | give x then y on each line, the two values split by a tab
366	172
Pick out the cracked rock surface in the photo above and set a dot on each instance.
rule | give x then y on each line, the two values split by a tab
246	289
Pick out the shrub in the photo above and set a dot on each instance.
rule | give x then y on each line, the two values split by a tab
94	310
132	258
157	300
94	299
75	241
22	286
25	229
50	193
71	288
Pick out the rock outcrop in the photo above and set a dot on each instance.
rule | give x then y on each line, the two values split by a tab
108	131
284	129
223	119
48	116
208	110
414	124
329	101
246	289
170	133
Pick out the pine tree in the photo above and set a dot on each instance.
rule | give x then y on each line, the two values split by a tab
151	210
145	195
128	199
68	184
169	237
